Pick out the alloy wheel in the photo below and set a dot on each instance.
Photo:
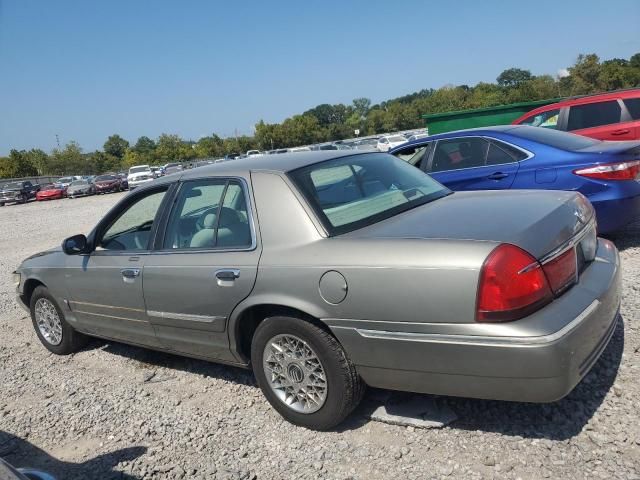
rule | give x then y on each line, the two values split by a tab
295	373
48	321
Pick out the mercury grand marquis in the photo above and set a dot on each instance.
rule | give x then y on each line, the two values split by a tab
328	271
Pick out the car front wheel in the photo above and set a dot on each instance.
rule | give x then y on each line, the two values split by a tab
50	325
304	372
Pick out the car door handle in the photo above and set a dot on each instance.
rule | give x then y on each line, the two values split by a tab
620	132
130	272
498	176
228	274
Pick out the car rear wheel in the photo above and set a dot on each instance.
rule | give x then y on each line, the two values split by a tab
50	325
22	198
304	372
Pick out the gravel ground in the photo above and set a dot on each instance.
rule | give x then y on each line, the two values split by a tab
114	411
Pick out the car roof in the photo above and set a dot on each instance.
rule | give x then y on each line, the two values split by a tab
469	131
583	99
282	163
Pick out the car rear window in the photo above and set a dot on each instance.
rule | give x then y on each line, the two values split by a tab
633	105
353	192
103	178
593	115
554	138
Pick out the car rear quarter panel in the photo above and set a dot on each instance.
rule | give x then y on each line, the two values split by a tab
388	280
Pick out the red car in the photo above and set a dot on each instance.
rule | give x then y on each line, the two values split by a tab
108	183
50	192
603	116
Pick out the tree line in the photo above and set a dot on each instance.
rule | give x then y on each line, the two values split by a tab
331	122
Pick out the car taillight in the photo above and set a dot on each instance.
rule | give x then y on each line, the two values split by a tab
561	271
612	171
512	285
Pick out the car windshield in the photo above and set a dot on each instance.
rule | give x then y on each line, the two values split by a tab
554	138
353	192
139	169
79	182
103	178
397	138
65	180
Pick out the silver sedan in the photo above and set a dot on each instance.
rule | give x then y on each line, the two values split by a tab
329	271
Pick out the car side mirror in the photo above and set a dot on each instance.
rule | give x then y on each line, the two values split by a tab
75	245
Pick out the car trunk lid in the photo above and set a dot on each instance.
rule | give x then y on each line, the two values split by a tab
537	221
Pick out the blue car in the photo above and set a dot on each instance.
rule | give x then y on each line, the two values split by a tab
523	157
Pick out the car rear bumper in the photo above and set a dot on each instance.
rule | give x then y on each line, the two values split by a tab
531	368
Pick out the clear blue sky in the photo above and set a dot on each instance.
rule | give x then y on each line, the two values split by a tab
84	69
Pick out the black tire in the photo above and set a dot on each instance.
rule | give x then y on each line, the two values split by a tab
345	388
72	341
23	198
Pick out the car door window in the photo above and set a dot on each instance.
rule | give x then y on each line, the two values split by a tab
633	105
548	119
209	214
458	153
500	153
131	230
416	155
593	115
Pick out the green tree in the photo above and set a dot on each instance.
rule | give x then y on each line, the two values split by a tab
69	161
116	146
210	146
634	61
512	77
39	159
361	106
169	148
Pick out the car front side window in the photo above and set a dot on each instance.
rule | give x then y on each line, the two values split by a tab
131	230
416	155
548	119
459	153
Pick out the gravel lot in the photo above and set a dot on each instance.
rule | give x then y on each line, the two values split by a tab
114	411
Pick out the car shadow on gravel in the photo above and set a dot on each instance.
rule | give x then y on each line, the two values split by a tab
151	359
23	454
560	420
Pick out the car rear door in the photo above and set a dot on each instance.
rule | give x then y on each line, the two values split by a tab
602	120
472	163
205	263
632	105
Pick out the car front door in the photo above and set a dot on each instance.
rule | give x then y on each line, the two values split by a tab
472	163
105	286
203	266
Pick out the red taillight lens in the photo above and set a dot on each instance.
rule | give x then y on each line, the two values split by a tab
612	171
561	271
512	285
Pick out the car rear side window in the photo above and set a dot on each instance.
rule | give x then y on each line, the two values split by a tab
548	119
209	214
593	115
633	105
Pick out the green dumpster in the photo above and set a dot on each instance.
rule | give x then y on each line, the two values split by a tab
480	117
